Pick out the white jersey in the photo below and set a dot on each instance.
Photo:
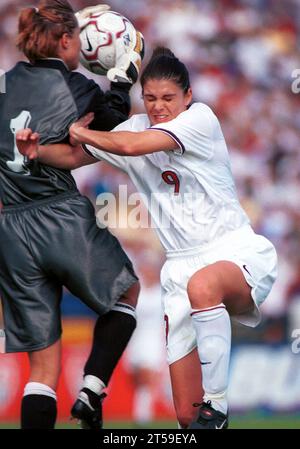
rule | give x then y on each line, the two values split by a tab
190	192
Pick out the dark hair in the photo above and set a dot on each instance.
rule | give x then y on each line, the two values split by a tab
41	28
164	65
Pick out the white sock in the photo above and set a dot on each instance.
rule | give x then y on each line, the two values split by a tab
93	383
125	308
213	330
39	388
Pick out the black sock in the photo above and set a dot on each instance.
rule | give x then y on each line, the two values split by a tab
111	335
38	412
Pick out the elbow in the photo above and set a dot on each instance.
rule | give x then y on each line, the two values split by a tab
129	149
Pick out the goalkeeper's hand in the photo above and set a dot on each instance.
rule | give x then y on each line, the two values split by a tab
128	63
83	16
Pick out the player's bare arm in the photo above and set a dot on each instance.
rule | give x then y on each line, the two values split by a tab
57	155
124	143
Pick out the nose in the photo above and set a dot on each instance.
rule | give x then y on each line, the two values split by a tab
158	106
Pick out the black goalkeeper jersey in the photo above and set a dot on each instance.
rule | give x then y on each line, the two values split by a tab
47	98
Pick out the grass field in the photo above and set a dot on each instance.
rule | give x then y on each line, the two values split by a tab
249	421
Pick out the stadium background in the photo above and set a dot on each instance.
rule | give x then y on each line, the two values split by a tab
242	55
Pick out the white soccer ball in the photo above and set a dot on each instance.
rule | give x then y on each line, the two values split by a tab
105	38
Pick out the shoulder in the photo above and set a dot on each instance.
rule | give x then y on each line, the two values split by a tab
84	90
199	117
19	67
197	110
79	78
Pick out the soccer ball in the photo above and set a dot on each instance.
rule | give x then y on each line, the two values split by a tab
106	37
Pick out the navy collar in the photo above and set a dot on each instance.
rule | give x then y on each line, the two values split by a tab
52	63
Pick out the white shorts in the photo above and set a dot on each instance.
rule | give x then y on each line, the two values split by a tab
242	247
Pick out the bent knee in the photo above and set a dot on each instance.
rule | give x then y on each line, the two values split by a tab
200	294
203	291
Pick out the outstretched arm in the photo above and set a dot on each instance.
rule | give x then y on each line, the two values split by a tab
124	143
57	155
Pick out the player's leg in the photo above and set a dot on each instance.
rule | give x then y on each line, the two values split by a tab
104	277
182	356
212	290
38	407
33	300
111	335
186	387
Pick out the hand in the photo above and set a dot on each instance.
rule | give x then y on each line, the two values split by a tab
28	143
129	62
74	129
83	16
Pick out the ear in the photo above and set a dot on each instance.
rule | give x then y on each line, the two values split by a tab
64	41
188	97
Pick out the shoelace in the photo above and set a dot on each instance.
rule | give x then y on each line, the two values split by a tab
206	411
199	404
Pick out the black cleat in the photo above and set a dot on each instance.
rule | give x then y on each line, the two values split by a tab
209	418
89	417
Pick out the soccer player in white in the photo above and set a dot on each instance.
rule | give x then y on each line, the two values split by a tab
216	265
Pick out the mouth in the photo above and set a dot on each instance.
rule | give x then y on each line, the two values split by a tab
160	118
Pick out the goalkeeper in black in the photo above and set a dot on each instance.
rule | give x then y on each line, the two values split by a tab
48	232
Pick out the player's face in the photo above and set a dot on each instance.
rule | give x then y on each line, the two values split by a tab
164	100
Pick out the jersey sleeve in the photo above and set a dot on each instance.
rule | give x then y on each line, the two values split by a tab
192	130
110	108
113	159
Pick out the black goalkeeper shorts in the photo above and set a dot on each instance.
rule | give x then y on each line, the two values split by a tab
44	246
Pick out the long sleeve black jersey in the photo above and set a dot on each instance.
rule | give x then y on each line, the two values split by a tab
47	98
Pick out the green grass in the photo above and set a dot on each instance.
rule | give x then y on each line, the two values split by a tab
265	422
248	421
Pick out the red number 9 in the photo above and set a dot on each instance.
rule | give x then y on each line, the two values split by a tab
171	178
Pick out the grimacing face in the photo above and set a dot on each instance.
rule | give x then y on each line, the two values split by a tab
164	100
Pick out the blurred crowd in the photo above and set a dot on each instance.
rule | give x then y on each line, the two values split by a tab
242	56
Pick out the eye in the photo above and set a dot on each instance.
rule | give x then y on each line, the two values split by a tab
168	99
149	99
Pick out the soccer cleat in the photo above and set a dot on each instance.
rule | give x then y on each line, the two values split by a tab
209	418
89	417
